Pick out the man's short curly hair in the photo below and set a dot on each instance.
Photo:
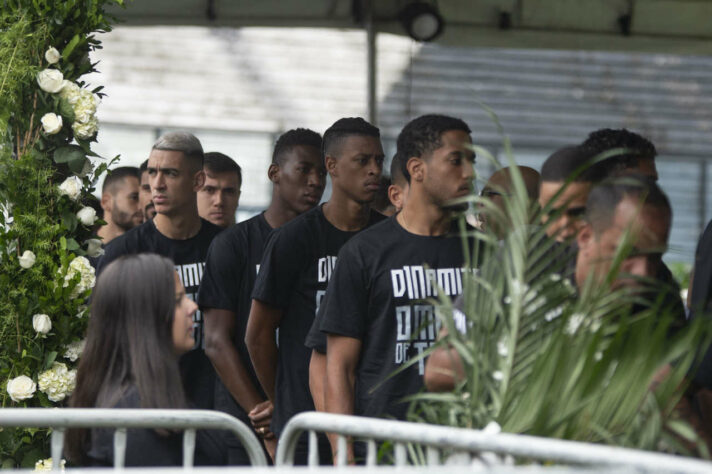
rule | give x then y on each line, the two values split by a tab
346	127
422	135
295	137
636	148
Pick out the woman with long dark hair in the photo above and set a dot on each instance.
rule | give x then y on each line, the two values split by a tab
141	321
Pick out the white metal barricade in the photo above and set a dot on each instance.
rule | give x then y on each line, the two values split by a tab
473	442
60	419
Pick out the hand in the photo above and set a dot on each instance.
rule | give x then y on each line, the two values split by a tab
261	416
271	446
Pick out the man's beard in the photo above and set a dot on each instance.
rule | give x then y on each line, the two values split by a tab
122	219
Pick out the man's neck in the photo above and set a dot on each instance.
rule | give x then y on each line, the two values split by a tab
279	213
421	217
346	214
178	227
109	231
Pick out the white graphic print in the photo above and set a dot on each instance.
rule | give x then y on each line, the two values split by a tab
417	326
325	267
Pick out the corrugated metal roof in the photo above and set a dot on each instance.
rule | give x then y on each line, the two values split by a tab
267	80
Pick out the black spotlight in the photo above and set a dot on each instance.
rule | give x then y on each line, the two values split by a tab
422	21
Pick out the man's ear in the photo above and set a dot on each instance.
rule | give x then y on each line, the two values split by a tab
330	163
585	237
395	194
106	201
273	173
198	180
416	168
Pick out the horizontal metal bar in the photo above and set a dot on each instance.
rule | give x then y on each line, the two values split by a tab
460	439
134	418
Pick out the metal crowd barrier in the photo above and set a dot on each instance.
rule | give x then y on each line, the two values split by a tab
466	441
60	419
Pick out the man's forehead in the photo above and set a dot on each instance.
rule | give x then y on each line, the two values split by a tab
225	179
166	159
575	193
650	225
361	144
456	138
303	153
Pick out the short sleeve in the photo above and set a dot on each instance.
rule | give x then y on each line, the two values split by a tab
316	340
284	257
222	277
346	301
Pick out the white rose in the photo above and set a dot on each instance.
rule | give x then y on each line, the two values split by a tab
21	388
52	55
27	259
50	80
51	123
41	323
71	187
87	215
94	247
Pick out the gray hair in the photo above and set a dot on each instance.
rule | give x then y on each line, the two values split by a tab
185	142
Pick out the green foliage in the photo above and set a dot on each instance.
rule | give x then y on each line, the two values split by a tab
682	273
543	358
35	216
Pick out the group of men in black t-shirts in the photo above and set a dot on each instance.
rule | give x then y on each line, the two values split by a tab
309	306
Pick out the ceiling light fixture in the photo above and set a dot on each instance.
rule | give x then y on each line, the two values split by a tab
422	21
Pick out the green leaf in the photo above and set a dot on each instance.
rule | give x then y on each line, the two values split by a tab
66	110
70	221
32	456
77	166
69	153
70	47
72	245
49	360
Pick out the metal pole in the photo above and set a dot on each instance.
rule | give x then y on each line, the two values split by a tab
371	62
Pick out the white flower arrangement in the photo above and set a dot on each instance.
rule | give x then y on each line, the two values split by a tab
41	323
74	350
21	388
27	259
57	382
71	187
80	266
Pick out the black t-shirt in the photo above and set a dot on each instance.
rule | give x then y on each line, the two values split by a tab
378	294
296	266
189	258
230	272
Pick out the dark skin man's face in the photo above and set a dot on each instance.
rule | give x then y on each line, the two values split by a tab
356	170
448	172
301	177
